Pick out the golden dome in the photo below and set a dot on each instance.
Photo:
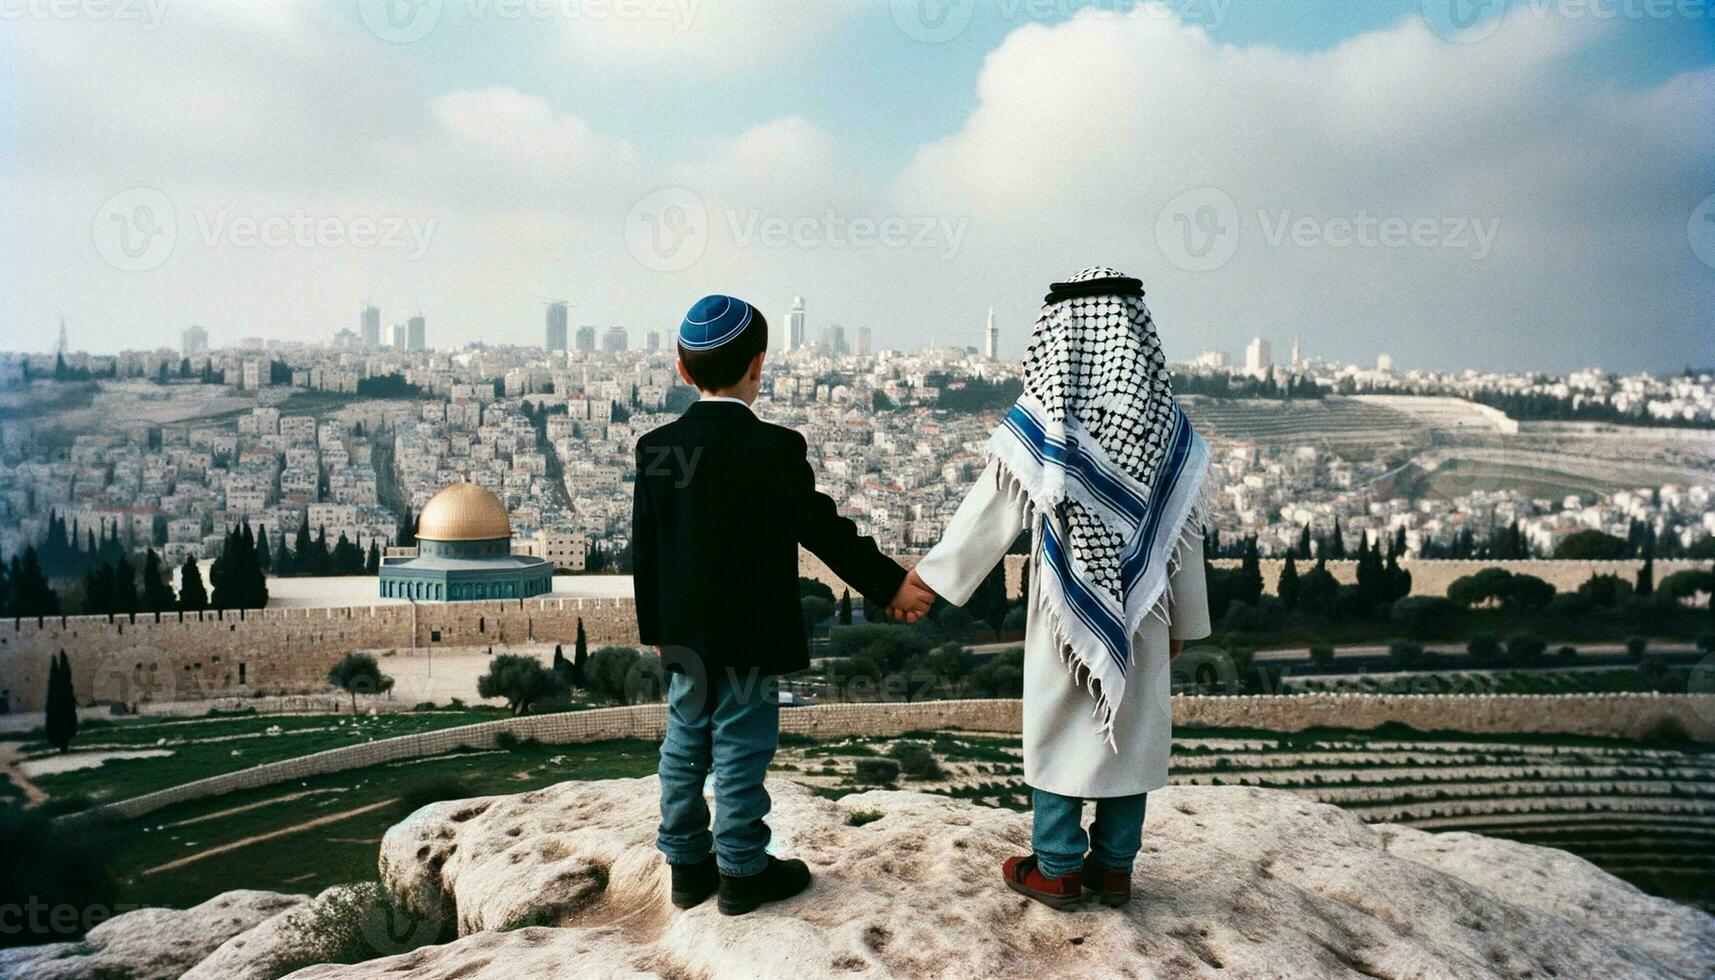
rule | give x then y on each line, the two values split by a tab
464	512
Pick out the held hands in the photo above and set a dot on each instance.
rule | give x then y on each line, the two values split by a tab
913	599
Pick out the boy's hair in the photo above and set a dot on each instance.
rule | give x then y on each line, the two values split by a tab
721	367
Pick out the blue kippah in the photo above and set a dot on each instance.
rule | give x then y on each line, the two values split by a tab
713	321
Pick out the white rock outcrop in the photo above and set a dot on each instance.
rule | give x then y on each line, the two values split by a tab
1235	882
151	943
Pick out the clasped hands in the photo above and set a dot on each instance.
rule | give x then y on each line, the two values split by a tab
913	599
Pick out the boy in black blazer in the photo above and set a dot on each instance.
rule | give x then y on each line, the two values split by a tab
722	502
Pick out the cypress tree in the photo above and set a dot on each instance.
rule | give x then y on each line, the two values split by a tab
846	608
1304	542
60	726
1250	573
31	593
193	597
372	565
580	658
157	594
1287	589
264	558
125	599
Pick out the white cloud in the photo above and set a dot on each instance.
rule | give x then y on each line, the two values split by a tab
1086	130
669	37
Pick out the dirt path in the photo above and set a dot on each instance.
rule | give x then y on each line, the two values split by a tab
270	835
9	757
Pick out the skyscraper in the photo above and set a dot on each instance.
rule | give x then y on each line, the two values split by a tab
834	340
416	333
1384	363
652	341
556	339
614	339
795	325
194	340
398	336
991	338
1297	356
586	340
1258	357
369	326
862	347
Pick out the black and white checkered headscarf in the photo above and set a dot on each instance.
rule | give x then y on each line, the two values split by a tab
1098	359
1112	469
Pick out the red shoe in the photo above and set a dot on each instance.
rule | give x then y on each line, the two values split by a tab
1024	877
1112	888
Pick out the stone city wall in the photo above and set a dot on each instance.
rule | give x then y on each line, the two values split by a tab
272	651
1622	715
289	650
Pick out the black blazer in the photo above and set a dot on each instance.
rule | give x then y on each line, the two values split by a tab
723	499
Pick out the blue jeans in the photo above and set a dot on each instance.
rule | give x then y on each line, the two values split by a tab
733	726
1057	832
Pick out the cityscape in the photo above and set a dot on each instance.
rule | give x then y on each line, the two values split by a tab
170	449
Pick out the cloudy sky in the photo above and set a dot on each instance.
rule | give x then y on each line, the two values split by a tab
1433	178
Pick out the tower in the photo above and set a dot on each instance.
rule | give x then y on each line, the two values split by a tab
556	325
369	326
416	333
795	325
1296	355
60	346
991	338
1258	357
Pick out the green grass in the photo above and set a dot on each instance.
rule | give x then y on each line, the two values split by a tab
203	748
344	851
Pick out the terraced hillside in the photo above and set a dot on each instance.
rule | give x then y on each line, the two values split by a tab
1332	421
1643	813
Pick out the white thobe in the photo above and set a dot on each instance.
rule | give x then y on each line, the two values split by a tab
1064	750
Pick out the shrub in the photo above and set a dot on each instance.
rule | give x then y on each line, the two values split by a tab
419	795
1405	652
610	669
1484	647
1322	655
915	760
1666	733
857	818
1525	646
1636	647
1567	652
877	772
512	742
52	864
520	680
1424	616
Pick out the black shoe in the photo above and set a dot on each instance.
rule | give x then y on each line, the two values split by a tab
781	879
694	883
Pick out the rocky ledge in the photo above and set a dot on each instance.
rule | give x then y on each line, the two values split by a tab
1235	882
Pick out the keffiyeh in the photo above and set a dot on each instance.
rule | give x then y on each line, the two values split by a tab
1113	471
